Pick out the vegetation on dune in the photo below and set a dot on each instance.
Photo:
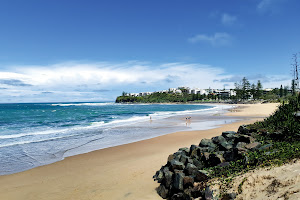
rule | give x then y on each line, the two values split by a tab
280	133
191	172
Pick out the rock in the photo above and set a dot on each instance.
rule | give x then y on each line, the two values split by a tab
162	191
176	165
188	181
244	138
192	148
190	169
229	135
215	159
253	146
207	143
241	145
225	133
180	196
171	157
210	195
224	164
159	176
266	147
230	196
183	159
207	149
245	130
224	146
201	175
198	190
218	139
195	152
232	155
188	192
168	176
205	158
178	181
185	150
198	164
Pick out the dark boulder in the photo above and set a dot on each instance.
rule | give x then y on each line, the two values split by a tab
224	164
198	190
162	191
224	146
184	159
185	150
188	181
176	165
178	181
215	159
168	176
245	130
209	194
159	176
229	135
190	169
232	155
218	139
244	138
180	196
266	147
230	196
207	143
253	146
198	164
171	157
240	145
202	175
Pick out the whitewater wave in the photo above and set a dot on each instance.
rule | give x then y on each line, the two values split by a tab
82	104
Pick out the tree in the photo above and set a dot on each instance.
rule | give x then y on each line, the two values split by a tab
285	90
259	91
293	87
238	90
253	91
245	88
281	91
295	81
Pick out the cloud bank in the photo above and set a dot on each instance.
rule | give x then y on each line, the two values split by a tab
73	81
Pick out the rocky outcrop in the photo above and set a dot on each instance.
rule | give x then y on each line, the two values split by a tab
184	176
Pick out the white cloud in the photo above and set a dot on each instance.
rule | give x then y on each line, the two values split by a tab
104	81
101	81
218	39
227	19
272	6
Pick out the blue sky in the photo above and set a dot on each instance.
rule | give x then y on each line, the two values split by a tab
92	50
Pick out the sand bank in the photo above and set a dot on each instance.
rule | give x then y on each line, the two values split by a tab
271	183
122	172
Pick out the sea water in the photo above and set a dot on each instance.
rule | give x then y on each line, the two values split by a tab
36	134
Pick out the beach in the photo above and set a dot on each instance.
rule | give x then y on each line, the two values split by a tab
121	172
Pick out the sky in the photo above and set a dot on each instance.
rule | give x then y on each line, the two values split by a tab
92	50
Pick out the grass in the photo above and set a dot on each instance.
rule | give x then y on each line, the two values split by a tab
282	130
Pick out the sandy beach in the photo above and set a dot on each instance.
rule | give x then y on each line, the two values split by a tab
122	172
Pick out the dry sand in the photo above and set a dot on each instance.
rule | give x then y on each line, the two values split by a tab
280	183
122	172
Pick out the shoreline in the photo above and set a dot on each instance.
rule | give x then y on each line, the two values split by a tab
120	172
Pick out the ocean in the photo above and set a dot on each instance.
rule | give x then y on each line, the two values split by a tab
36	134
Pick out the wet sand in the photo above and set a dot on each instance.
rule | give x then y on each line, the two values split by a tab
122	172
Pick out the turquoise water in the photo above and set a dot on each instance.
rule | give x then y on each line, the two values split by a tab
37	134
